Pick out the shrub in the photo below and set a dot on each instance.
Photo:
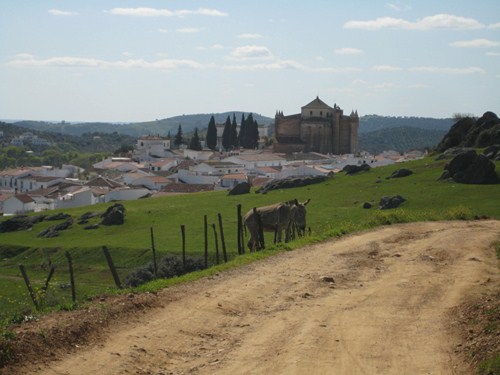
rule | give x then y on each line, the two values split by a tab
169	266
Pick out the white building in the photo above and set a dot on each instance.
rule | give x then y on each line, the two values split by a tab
149	147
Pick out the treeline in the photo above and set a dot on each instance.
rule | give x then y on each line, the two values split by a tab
370	123
246	137
400	139
82	151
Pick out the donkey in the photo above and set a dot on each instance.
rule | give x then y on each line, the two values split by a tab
276	218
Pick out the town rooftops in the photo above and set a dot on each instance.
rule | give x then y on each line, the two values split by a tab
24	198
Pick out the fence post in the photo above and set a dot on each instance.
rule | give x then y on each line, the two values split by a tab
183	233
153	250
51	273
258	221
28	285
71	276
241	250
216	244
206	239
222	238
112	267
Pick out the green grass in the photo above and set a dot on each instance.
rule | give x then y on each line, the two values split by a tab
335	209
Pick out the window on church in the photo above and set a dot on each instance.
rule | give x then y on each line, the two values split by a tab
310	113
321	113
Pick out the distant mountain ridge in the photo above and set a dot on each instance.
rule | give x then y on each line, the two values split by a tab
161	127
377	133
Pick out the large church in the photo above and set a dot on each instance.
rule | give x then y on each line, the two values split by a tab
318	128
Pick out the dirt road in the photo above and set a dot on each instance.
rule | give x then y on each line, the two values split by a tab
387	310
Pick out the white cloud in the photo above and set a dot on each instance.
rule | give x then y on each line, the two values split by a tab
438	21
492	53
385	86
251	52
81	62
386	68
494	26
348	51
63	13
154	12
274	65
419	86
475	43
398	7
163	31
447	70
249	36
212	47
188	30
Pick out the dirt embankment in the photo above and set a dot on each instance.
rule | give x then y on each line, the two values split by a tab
379	302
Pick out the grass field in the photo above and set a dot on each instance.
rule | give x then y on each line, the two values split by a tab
335	209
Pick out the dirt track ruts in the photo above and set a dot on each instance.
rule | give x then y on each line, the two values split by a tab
387	311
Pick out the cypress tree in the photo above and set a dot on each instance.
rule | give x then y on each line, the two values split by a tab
234	132
179	138
212	134
194	143
242	135
226	134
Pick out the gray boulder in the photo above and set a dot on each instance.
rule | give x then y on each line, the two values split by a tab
471	168
353	169
114	215
291	182
241	188
403	172
20	222
391	202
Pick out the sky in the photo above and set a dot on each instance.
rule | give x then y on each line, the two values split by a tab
141	60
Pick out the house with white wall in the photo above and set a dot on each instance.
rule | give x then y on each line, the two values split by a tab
252	159
18	204
149	147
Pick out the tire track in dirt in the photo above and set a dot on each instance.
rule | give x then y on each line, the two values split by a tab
385	313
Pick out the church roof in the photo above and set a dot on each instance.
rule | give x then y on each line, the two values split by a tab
317	103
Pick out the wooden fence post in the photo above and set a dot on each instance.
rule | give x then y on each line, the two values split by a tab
112	267
51	273
241	248
28	285
183	233
222	238
153	250
206	239
260	231
71	276
216	244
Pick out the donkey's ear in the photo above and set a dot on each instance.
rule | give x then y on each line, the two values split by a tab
306	202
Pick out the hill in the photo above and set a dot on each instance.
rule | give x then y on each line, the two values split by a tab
400	139
370	123
162	127
87	142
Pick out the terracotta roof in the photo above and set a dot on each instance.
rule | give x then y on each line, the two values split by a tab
4	197
187	188
234	176
103	182
24	198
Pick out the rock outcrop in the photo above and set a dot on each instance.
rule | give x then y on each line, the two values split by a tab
470	168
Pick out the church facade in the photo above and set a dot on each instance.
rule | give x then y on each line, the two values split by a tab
318	128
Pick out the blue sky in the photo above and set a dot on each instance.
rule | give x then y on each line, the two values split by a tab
139	60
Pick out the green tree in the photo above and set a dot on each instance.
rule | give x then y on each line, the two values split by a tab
234	133
212	134
194	143
252	132
226	134
179	137
241	135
